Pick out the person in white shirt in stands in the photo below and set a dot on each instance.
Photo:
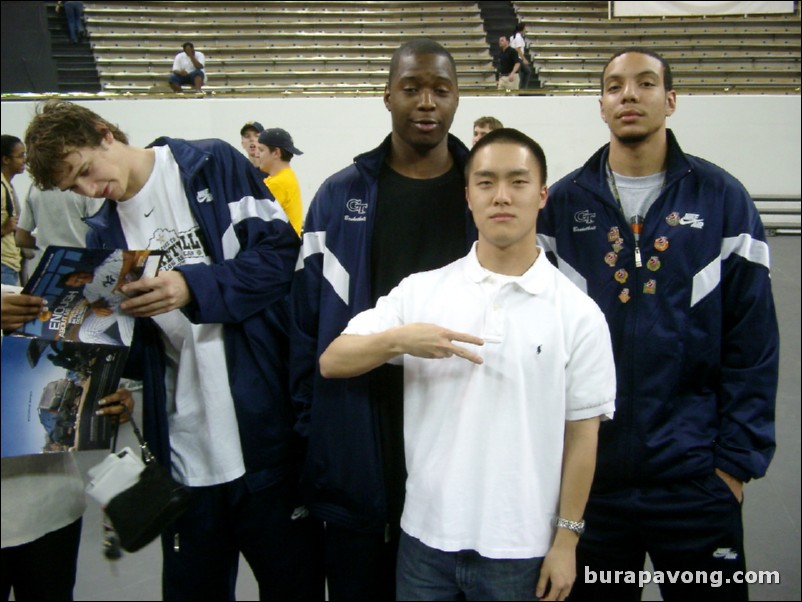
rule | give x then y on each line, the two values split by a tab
500	425
188	69
518	41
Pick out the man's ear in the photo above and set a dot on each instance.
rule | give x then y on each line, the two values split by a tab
387	96
108	140
671	103
544	196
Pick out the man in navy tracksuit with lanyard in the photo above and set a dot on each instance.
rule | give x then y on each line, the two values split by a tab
672	249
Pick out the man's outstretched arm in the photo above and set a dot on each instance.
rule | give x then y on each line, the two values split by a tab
352	355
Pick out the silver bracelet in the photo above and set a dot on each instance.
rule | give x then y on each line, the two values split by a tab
577	527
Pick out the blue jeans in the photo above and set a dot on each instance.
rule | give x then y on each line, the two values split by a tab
425	573
75	16
9	276
186	80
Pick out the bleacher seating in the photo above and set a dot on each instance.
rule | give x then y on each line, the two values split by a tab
571	41
279	47
344	47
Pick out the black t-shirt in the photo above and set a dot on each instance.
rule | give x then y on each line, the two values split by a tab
419	226
507	59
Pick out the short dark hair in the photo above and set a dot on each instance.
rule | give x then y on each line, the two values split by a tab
58	129
509	136
668	79
185	44
417	48
7	144
285	154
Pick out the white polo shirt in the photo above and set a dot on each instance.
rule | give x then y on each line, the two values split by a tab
484	443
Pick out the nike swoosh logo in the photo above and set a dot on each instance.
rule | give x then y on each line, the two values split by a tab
149	212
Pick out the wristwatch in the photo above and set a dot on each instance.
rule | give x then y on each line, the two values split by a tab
577	526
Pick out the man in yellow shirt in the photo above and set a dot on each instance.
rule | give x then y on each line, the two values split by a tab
277	150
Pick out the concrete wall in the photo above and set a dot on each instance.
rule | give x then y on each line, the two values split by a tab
756	138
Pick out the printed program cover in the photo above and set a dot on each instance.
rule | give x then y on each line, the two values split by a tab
82	289
50	393
57	367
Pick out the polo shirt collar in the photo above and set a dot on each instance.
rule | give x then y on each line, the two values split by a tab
533	281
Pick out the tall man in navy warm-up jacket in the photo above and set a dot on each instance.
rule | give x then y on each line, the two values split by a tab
396	210
209	344
672	249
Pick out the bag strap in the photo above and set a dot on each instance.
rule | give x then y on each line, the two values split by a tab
112	549
147	455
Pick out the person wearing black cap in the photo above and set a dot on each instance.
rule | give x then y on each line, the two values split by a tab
250	140
276	150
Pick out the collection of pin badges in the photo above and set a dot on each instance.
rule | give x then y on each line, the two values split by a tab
621	276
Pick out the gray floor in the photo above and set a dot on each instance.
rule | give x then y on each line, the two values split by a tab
771	508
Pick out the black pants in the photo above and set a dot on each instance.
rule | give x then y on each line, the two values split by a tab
201	549
43	569
692	531
360	566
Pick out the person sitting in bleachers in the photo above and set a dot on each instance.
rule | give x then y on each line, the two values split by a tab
188	68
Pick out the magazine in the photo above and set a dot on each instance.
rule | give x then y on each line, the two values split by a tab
57	367
81	287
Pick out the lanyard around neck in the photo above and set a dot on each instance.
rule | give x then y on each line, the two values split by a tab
635	222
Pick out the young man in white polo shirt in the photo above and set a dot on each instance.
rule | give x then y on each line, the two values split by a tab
501	439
